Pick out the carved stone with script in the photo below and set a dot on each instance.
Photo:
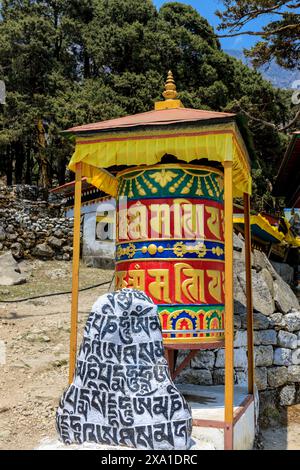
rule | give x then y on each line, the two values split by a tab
122	392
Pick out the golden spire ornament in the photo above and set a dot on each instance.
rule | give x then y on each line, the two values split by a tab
170	94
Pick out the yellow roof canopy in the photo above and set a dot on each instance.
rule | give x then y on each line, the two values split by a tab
145	138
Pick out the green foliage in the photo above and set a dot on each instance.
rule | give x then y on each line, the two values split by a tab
73	62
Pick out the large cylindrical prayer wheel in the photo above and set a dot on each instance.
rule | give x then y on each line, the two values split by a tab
170	244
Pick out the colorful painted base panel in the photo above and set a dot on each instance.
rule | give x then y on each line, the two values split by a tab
170	244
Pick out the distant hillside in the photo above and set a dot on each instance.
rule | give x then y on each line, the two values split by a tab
278	76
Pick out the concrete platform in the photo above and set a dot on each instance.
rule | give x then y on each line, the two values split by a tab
207	404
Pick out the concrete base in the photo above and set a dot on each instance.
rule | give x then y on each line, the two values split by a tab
207	404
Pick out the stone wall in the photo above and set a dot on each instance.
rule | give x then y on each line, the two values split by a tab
32	227
276	337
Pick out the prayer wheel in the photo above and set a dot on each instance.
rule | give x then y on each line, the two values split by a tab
170	244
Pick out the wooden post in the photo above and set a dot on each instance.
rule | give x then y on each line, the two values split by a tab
249	293
229	328
75	273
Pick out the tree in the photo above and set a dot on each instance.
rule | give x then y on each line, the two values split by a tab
280	37
67	63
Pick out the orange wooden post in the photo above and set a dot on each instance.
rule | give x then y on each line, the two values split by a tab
229	328
249	293
75	273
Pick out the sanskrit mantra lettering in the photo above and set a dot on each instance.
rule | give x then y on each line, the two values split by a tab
191	284
174	218
122	392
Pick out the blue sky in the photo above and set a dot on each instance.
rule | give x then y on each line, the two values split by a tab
207	9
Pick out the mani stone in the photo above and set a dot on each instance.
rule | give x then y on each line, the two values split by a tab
122	393
282	356
287	340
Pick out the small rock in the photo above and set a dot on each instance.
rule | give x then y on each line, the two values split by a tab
284	297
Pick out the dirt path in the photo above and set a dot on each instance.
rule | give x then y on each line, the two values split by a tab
36	336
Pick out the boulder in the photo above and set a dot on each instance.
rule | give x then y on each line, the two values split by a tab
238	243
287	395
262	297
287	340
292	321
10	274
277	376
284	297
43	251
282	356
284	270
122	393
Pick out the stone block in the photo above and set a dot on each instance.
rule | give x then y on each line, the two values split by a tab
292	321
287	340
293	374
204	360
296	357
265	337
263	356
282	356
277	376
287	395
262	297
195	376
240	339
261	378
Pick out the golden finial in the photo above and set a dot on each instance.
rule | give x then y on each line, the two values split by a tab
170	94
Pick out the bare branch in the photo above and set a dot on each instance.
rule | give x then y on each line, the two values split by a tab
260	33
270	124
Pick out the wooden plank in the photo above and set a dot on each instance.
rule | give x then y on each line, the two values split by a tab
229	325
75	273
249	294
